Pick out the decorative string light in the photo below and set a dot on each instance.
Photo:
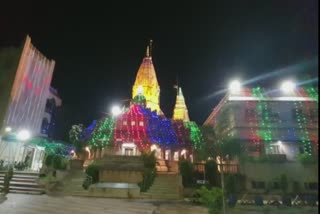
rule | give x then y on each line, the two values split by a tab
195	134
102	134
52	147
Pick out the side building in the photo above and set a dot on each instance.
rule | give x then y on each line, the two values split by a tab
25	91
276	127
25	80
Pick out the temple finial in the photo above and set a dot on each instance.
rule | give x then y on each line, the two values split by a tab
148	51
150	46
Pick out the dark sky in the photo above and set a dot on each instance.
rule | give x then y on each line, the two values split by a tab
98	47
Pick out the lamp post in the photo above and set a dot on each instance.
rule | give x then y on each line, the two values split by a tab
220	165
288	87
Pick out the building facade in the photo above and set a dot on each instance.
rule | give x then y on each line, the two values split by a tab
273	128
269	123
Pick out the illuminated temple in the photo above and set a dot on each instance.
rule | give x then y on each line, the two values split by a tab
143	127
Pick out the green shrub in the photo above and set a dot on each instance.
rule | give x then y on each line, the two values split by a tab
93	171
59	163
149	159
6	182
49	160
211	198
187	173
148	178
150	172
212	172
306	159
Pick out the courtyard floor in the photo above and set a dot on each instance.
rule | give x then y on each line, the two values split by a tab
40	204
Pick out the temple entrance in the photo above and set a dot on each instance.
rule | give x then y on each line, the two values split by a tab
157	150
129	149
128	152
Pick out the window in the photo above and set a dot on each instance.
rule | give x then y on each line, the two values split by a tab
140	123
133	123
274	117
311	186
313	115
258	185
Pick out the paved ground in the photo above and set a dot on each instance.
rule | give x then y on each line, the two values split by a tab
44	204
251	209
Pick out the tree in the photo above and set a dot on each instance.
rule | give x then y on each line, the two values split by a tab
229	146
75	138
208	148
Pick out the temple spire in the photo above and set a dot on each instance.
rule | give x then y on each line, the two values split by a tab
146	82
180	111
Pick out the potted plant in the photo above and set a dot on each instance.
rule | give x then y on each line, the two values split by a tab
6	184
60	165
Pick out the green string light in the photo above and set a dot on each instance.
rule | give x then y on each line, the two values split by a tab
195	134
103	133
263	113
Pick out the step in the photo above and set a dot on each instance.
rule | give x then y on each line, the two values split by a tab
162	196
29	189
165	185
164	190
15	183
26	192
24	180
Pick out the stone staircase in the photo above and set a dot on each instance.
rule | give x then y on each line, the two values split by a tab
72	184
165	186
161	166
23	182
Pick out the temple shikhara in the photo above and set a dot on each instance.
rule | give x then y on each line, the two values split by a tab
142	126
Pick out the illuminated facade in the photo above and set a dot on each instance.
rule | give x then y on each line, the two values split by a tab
29	90
146	83
23	100
269	123
180	111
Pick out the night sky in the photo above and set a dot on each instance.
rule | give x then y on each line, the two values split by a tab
98	48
